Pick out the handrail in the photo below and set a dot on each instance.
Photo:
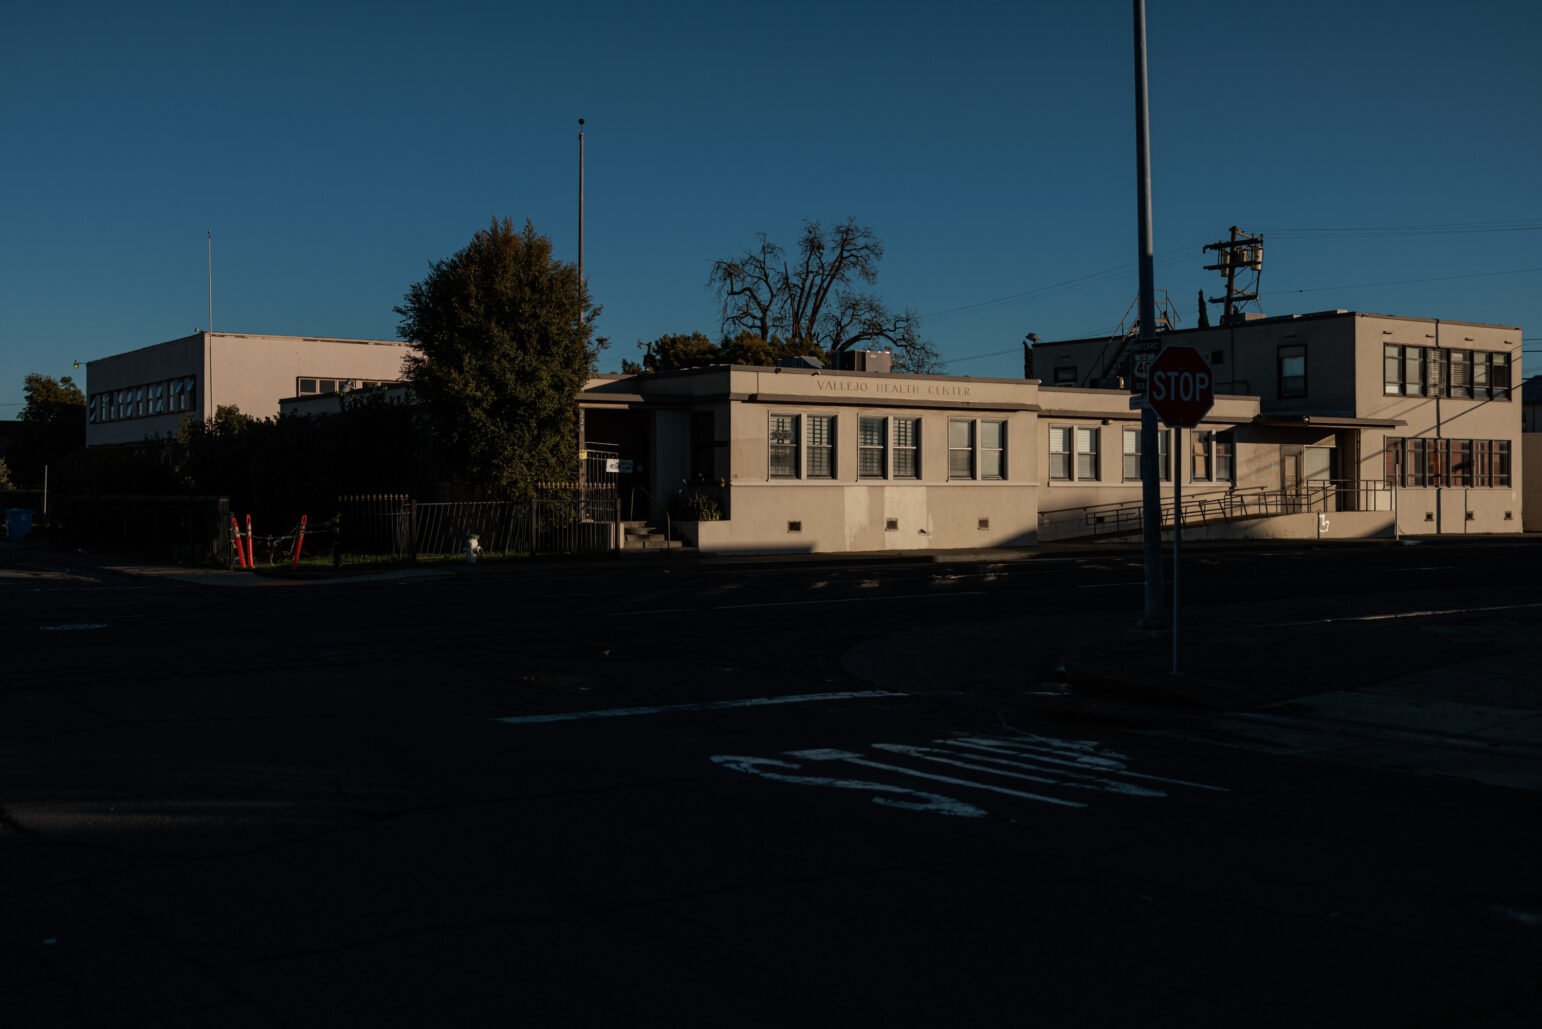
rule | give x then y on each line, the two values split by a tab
668	525
1137	502
1122	517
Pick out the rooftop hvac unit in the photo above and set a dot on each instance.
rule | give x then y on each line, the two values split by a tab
865	361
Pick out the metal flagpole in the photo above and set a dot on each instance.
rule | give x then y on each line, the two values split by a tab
1177	537
1150	483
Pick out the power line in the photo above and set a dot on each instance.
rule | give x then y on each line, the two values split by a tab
1404	282
1441	229
1055	289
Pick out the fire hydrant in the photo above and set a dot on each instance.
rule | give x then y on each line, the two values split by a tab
473	547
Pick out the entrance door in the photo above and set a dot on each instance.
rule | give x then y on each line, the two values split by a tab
1290	478
1317	470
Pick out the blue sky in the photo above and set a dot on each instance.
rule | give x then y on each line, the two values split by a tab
336	149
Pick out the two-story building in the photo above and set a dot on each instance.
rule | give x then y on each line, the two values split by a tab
1426	406
150	391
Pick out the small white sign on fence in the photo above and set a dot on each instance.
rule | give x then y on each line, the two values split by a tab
612	464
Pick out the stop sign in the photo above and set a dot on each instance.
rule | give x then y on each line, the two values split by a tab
1180	387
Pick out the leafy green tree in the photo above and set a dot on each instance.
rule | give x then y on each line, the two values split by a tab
814	298
748	348
5	475
503	337
679	350
672	351
53	425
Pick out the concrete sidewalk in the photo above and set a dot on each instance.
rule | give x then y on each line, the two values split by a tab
1452	691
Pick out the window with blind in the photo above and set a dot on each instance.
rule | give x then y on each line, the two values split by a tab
872	448
907	448
784	446
1456	463
993	450
1060	452
1086	453
960	449
821	446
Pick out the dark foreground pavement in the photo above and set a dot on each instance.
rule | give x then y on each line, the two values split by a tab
772	794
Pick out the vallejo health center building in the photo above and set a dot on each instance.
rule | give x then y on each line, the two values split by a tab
1332	425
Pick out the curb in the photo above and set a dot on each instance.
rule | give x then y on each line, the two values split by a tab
1183	692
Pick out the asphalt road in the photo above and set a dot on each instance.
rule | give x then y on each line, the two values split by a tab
696	793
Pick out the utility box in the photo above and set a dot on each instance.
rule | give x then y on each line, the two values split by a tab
865	361
18	523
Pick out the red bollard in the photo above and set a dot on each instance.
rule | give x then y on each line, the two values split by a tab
298	543
251	552
235	541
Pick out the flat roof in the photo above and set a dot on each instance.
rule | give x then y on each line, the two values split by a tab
777	370
251	335
1282	319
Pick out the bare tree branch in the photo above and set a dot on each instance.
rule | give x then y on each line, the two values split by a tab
814	300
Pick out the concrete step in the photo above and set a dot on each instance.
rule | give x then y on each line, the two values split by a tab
652	543
642	536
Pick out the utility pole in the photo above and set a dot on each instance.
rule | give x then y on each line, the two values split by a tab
1146	346
1244	252
211	279
580	201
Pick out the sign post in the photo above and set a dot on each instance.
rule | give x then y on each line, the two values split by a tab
1181	390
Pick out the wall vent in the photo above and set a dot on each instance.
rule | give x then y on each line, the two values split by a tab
1469	516
794	526
1429	516
985	523
1509	517
891	525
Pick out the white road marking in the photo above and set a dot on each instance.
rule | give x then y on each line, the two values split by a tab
1108	585
922	801
951	780
1065	764
1082	760
710	705
803	603
1030	772
1396	615
83	626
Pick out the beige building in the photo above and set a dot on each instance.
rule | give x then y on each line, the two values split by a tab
148	392
1355	402
805	460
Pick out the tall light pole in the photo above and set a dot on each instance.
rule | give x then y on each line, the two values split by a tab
1150	476
580	201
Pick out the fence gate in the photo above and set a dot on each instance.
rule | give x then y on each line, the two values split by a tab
602	465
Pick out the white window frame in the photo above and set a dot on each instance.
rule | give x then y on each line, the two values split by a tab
866	450
914	447
1070	439
796	445
1061	445
977	450
1092	434
829	447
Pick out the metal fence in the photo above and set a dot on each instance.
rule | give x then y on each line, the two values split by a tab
560	520
179	528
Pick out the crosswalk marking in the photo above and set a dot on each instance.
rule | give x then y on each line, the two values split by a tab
998	764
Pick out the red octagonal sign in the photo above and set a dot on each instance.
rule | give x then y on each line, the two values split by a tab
1180	387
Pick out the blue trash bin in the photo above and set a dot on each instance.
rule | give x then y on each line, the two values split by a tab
18	523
